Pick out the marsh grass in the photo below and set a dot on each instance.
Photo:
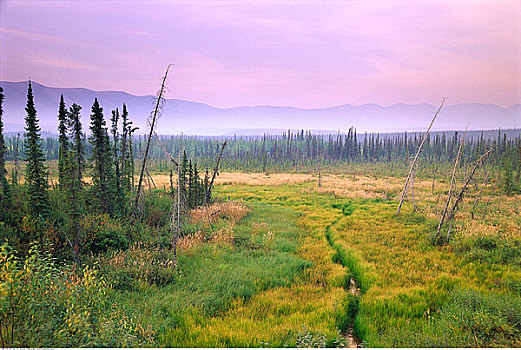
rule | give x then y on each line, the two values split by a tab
293	253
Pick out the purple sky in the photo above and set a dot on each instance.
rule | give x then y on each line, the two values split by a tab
305	54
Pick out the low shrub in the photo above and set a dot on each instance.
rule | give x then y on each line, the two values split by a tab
139	265
102	233
42	305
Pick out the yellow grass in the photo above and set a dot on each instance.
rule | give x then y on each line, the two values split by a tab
231	211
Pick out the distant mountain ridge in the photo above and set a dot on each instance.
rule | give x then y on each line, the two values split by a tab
196	118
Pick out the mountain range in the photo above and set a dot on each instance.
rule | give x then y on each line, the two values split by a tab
194	118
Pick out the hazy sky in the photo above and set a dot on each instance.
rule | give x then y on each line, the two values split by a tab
304	54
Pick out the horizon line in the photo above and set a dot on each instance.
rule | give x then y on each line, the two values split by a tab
265	105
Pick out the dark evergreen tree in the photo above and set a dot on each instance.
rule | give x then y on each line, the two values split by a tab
78	144
115	155
184	177
125	166
35	173
63	151
75	167
103	189
191	186
5	190
508	180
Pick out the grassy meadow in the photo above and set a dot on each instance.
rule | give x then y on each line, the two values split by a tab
286	263
279	261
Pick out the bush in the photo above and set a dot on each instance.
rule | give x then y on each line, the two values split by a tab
157	209
44	306
102	233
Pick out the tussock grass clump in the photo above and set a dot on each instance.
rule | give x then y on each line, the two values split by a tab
233	211
140	265
223	216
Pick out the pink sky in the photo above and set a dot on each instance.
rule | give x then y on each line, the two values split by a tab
308	54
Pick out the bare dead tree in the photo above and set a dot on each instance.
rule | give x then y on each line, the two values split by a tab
444	214
459	198
171	183
150	178
424	138
412	192
485	181
152	120
215	173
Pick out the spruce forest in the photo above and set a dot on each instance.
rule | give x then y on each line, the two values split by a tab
268	174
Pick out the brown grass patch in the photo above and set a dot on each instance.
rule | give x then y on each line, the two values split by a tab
231	211
261	179
368	186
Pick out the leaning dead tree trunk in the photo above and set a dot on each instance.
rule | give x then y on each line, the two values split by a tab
215	172
150	179
412	192
424	138
485	181
451	184
479	162
152	120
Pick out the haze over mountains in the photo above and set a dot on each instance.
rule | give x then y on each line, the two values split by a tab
195	118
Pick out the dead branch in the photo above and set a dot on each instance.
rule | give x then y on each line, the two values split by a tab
479	162
154	118
215	172
424	138
451	184
485	181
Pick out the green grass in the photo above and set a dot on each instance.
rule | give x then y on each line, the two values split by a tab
267	288
215	277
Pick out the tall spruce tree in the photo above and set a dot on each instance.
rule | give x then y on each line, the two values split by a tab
184	178
63	151
5	190
125	170
78	144
72	179
35	171
508	180
191	186
115	153
101	162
